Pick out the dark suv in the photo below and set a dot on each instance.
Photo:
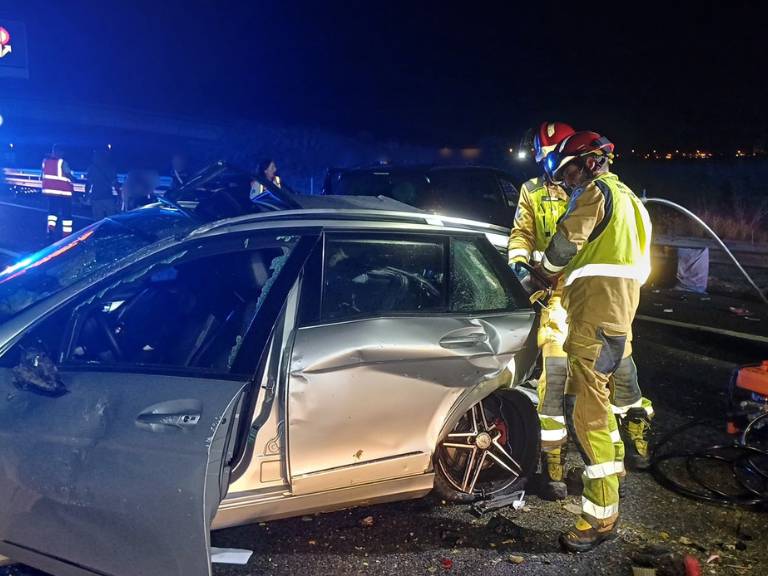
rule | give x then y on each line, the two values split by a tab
472	192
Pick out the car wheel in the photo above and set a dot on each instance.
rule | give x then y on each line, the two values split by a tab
492	449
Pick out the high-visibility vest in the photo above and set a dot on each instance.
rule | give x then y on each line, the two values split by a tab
55	183
541	205
620	245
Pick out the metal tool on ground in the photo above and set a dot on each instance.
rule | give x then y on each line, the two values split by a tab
494	502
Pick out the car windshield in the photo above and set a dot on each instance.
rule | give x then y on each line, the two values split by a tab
60	265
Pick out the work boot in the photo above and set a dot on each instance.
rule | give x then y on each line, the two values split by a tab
553	485
583	537
635	426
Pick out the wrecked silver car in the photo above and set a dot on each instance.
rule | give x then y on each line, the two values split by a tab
161	377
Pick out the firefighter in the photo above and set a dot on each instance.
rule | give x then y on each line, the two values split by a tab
539	208
57	185
600	252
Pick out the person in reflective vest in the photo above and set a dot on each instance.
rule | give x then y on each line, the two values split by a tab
266	176
600	252
57	185
539	208
541	205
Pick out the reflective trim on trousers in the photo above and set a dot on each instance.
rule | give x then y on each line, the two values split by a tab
599	512
559	419
553	435
622	410
615	436
603	470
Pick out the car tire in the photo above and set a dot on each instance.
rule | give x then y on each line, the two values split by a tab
512	420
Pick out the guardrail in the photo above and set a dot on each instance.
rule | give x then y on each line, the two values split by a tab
32	179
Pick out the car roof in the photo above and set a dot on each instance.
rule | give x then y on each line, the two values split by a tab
413	168
330	216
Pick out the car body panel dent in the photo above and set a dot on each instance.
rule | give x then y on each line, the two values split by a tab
347	376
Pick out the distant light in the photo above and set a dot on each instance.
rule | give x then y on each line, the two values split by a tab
1	119
11	146
511	150
522	155
109	146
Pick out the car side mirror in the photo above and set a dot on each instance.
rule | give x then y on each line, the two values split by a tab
37	373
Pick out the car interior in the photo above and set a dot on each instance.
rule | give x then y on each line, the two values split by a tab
191	314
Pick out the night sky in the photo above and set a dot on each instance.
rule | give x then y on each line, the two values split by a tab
661	75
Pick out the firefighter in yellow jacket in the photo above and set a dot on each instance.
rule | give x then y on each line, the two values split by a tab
539	208
542	203
600	252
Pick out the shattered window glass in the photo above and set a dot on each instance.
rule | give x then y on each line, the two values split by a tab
475	285
377	276
56	267
189	310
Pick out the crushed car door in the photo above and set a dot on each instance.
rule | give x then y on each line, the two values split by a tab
373	380
116	438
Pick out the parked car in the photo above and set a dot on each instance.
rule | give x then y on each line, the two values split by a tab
473	192
161	376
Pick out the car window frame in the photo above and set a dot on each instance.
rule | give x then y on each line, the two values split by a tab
307	237
313	278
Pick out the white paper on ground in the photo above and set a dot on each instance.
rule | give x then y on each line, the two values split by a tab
230	555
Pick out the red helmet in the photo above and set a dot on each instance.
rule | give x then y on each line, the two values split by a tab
550	134
578	145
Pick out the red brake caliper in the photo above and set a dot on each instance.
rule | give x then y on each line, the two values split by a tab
501	426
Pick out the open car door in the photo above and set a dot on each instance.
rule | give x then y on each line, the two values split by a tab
117	475
119	409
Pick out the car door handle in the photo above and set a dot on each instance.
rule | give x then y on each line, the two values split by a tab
179	414
464	340
185	420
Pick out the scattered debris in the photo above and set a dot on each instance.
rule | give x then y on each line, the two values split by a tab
307	519
692	566
446	563
312	542
739	311
230	556
664	535
514	559
713	558
573	508
367	522
669	310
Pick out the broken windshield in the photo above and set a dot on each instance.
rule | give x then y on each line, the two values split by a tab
56	267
